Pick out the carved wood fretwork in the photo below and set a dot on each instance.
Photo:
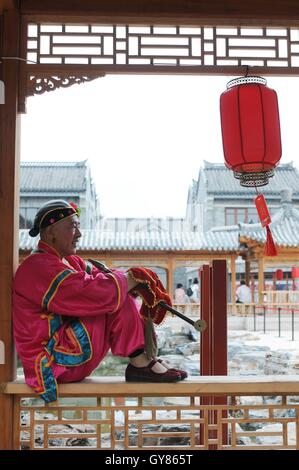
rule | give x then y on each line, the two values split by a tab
60	54
154	46
36	80
38	84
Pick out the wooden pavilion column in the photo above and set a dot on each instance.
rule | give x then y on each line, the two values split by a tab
170	268
9	227
213	343
233	282
261	280
247	272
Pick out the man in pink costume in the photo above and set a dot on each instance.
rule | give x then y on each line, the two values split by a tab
68	313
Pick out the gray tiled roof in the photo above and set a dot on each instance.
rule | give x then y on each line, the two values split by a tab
220	180
148	241
52	176
284	228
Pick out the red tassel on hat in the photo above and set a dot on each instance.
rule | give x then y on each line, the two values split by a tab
265	219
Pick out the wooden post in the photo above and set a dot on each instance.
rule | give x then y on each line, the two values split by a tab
219	317
205	340
219	337
247	272
213	344
233	282
170	267
261	280
9	196
205	309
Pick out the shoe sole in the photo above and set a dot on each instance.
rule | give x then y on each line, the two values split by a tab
140	379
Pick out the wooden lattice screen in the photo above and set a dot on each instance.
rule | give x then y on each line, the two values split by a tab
61	54
172	422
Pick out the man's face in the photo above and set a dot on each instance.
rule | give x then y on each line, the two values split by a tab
66	235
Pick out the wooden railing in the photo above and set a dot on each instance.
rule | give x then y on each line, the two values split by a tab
192	310
108	413
281	296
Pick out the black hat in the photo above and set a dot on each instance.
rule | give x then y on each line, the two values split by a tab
52	212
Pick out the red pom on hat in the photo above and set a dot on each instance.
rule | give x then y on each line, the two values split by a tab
76	208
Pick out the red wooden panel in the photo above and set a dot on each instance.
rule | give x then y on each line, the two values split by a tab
213	344
205	314
219	318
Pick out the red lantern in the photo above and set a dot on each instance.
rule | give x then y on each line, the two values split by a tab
250	130
295	272
251	138
279	275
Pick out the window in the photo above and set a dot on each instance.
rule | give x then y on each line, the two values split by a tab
252	216
26	217
234	215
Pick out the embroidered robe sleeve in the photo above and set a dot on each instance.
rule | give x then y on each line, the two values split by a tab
64	290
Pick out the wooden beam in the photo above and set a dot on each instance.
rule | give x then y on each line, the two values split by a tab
161	255
193	10
9	204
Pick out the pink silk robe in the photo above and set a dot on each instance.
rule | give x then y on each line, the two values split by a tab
67	315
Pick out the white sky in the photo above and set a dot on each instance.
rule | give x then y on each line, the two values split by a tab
145	137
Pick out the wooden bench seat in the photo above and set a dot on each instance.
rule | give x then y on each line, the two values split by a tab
198	385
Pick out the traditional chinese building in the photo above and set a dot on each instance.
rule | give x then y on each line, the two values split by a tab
42	181
217	198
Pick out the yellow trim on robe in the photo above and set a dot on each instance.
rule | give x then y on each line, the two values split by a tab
118	290
56	288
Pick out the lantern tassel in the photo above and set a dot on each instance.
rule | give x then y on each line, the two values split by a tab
265	219
270	247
